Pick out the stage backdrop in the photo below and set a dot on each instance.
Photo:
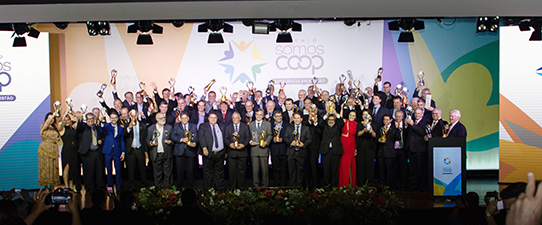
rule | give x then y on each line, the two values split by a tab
461	66
521	116
24	101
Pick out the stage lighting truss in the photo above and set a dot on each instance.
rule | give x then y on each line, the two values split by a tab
407	25
95	28
487	23
145	27
214	26
284	25
20	29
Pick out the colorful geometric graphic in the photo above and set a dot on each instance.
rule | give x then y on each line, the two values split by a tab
239	58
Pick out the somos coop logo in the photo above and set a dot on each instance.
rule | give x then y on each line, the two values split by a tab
5	79
242	61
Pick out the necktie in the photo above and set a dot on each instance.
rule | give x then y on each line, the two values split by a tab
94	139
298	131
374	110
223	115
434	123
237	128
136	135
258	127
215	137
116	132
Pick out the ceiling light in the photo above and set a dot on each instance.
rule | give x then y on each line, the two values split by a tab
284	25
145	27
98	28
215	37
19	30
485	23
61	25
407	25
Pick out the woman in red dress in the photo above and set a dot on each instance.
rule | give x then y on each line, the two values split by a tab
347	166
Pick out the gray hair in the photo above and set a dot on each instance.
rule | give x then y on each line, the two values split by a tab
456	112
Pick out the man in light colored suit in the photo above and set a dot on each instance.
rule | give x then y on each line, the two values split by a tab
158	138
113	148
259	152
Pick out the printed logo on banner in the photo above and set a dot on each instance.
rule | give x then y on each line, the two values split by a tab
5	79
447	161
304	54
236	59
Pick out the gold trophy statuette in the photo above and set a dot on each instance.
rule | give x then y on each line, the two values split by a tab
312	113
103	114
114	73
379	74
262	138
208	87
282	84
142	86
171	82
250	86
235	137
342	78
276	131
223	91
383	133
445	130
57	107
188	135
314	82
295	135
133	117
248	118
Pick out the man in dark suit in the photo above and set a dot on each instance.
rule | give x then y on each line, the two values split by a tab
401	154
297	137
425	92
268	113
166	94
427	114
385	151
247	112
259	152
117	106
90	145
184	150
311	161
287	115
224	114
302	94
237	154
457	129
159	141
113	148
386	96
377	111
170	118
331	147
436	124
211	140
142	108
418	151
397	106
279	159
135	136
198	115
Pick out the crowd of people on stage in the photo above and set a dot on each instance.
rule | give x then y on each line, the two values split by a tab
358	136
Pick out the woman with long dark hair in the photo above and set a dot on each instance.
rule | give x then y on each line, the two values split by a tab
48	152
71	165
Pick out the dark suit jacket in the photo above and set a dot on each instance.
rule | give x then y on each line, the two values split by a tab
305	138
194	115
170	104
458	130
416	141
331	135
166	135
416	95
244	112
125	103
109	110
387	148
278	148
378	118
436	131
129	137
223	122
85	137
205	137
244	138
112	144
393	114
181	148
386	101
286	117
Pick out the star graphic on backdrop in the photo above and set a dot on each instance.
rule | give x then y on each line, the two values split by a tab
242	65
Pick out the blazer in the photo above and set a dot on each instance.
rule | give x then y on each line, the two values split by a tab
244	112
125	103
387	149
166	135
286	117
458	130
205	137
331	135
264	126
85	137
278	148
392	110
113	144
436	131
181	148
386	102
129	137
416	133
244	138
170	103
194	115
378	117
305	138
416	95
224	122
170	119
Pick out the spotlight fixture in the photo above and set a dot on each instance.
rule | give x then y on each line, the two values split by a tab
407	25
349	22
178	23
98	27
19	30
61	25
536	23
215	37
145	26
485	23
260	28
283	25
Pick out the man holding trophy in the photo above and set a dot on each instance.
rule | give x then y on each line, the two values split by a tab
331	147
185	137
279	159
159	140
261	137
237	136
385	152
297	138
418	150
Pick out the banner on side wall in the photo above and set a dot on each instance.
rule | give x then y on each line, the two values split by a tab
24	101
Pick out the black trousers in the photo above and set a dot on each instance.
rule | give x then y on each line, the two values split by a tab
385	170
163	176
184	166
280	169
331	162
418	170
237	169
310	166
135	161
93	167
401	167
295	167
365	167
213	170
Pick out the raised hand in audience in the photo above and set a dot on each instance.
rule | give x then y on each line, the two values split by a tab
527	209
